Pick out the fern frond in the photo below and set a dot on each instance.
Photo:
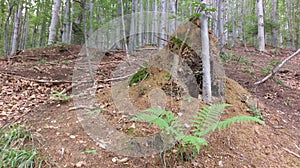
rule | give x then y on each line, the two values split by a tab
238	119
144	117
207	118
194	141
156	111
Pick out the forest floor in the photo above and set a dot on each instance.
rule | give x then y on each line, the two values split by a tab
28	80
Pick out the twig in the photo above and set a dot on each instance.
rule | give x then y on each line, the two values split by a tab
277	68
80	107
62	153
37	80
13	121
291	152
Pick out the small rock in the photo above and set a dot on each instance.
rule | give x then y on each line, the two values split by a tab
220	163
132	126
122	160
72	136
80	164
114	159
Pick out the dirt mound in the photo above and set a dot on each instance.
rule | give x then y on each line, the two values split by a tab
182	57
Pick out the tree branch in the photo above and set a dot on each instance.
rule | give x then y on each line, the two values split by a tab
276	69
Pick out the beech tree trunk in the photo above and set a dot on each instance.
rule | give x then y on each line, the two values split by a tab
155	23
66	23
54	21
124	30
260	22
275	21
141	24
25	30
173	13
132	38
221	24
10	7
205	58
163	33
17	22
91	9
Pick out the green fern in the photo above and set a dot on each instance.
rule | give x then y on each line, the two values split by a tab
238	119
207	118
195	142
165	120
206	121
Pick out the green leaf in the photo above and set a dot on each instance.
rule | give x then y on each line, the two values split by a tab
90	151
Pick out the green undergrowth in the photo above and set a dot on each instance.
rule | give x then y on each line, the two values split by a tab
18	149
205	122
139	76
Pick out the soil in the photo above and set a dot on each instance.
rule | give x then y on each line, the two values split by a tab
28	80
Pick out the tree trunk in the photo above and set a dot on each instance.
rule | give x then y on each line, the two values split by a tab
297	25
155	23
275	21
26	30
66	23
173	13
54	21
124	29
233	10
118	31
132	38
205	58
163	33
91	9
85	34
17	22
10	7
243	25
260	22
289	23
141	24
221	24
71	22
147	38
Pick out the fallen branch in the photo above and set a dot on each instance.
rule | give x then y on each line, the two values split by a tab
81	107
291	152
276	69
36	80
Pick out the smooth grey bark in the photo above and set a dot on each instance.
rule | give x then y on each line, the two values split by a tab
54	22
10	8
124	30
26	30
233	7
118	31
173	13
141	24
147	38
163	22
155	23
91	17
260	22
297	22
207	94
66	23
243	25
17	21
132	38
275	21
221	24
289	22
85	33
71	22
